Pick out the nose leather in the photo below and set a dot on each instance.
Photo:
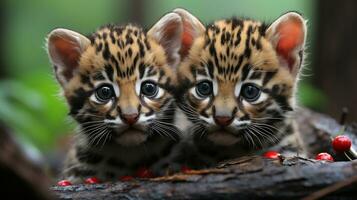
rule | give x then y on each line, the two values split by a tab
223	120
130	119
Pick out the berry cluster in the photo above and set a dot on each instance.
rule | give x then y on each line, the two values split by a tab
142	172
341	144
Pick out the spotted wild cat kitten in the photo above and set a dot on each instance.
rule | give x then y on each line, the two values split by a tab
118	84
238	86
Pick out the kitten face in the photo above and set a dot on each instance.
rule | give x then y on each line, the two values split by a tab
117	81
239	79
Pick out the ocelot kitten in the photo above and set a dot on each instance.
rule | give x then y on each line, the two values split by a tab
118	84
237	87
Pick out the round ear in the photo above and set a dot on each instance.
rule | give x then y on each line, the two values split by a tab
176	32
287	35
192	28
167	32
65	48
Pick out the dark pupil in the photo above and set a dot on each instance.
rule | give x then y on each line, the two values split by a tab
104	93
149	89
251	93
204	89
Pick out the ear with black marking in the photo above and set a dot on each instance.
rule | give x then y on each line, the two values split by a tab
167	32
65	48
192	28
287	35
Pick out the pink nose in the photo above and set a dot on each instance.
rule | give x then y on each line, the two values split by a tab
223	120
130	119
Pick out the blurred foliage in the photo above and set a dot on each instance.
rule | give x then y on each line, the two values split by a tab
29	98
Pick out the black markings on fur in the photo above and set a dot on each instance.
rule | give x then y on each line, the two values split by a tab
262	29
238	37
225	37
109	71
141	70
256	75
268	76
248	51
141	49
236	22
129	39
161	74
259	43
98	77
130	52
212	50
99	47
193	71
112	37
201	71
76	102
135	60
245	71
210	68
85	80
277	92
151	71
105	36
106	52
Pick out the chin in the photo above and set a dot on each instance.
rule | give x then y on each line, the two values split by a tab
131	137
223	137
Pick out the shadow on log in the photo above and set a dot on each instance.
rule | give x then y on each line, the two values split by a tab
247	177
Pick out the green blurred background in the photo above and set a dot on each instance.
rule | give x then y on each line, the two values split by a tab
30	103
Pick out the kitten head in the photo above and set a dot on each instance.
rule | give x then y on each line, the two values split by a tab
239	77
117	81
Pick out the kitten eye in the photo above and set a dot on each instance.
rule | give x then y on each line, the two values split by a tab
250	92
149	89
204	89
104	93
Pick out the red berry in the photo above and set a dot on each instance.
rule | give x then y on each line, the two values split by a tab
271	155
185	169
324	156
126	178
341	143
91	180
144	172
64	183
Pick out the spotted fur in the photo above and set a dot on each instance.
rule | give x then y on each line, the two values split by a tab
229	54
129	129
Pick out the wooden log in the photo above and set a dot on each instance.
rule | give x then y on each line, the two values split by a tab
247	177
